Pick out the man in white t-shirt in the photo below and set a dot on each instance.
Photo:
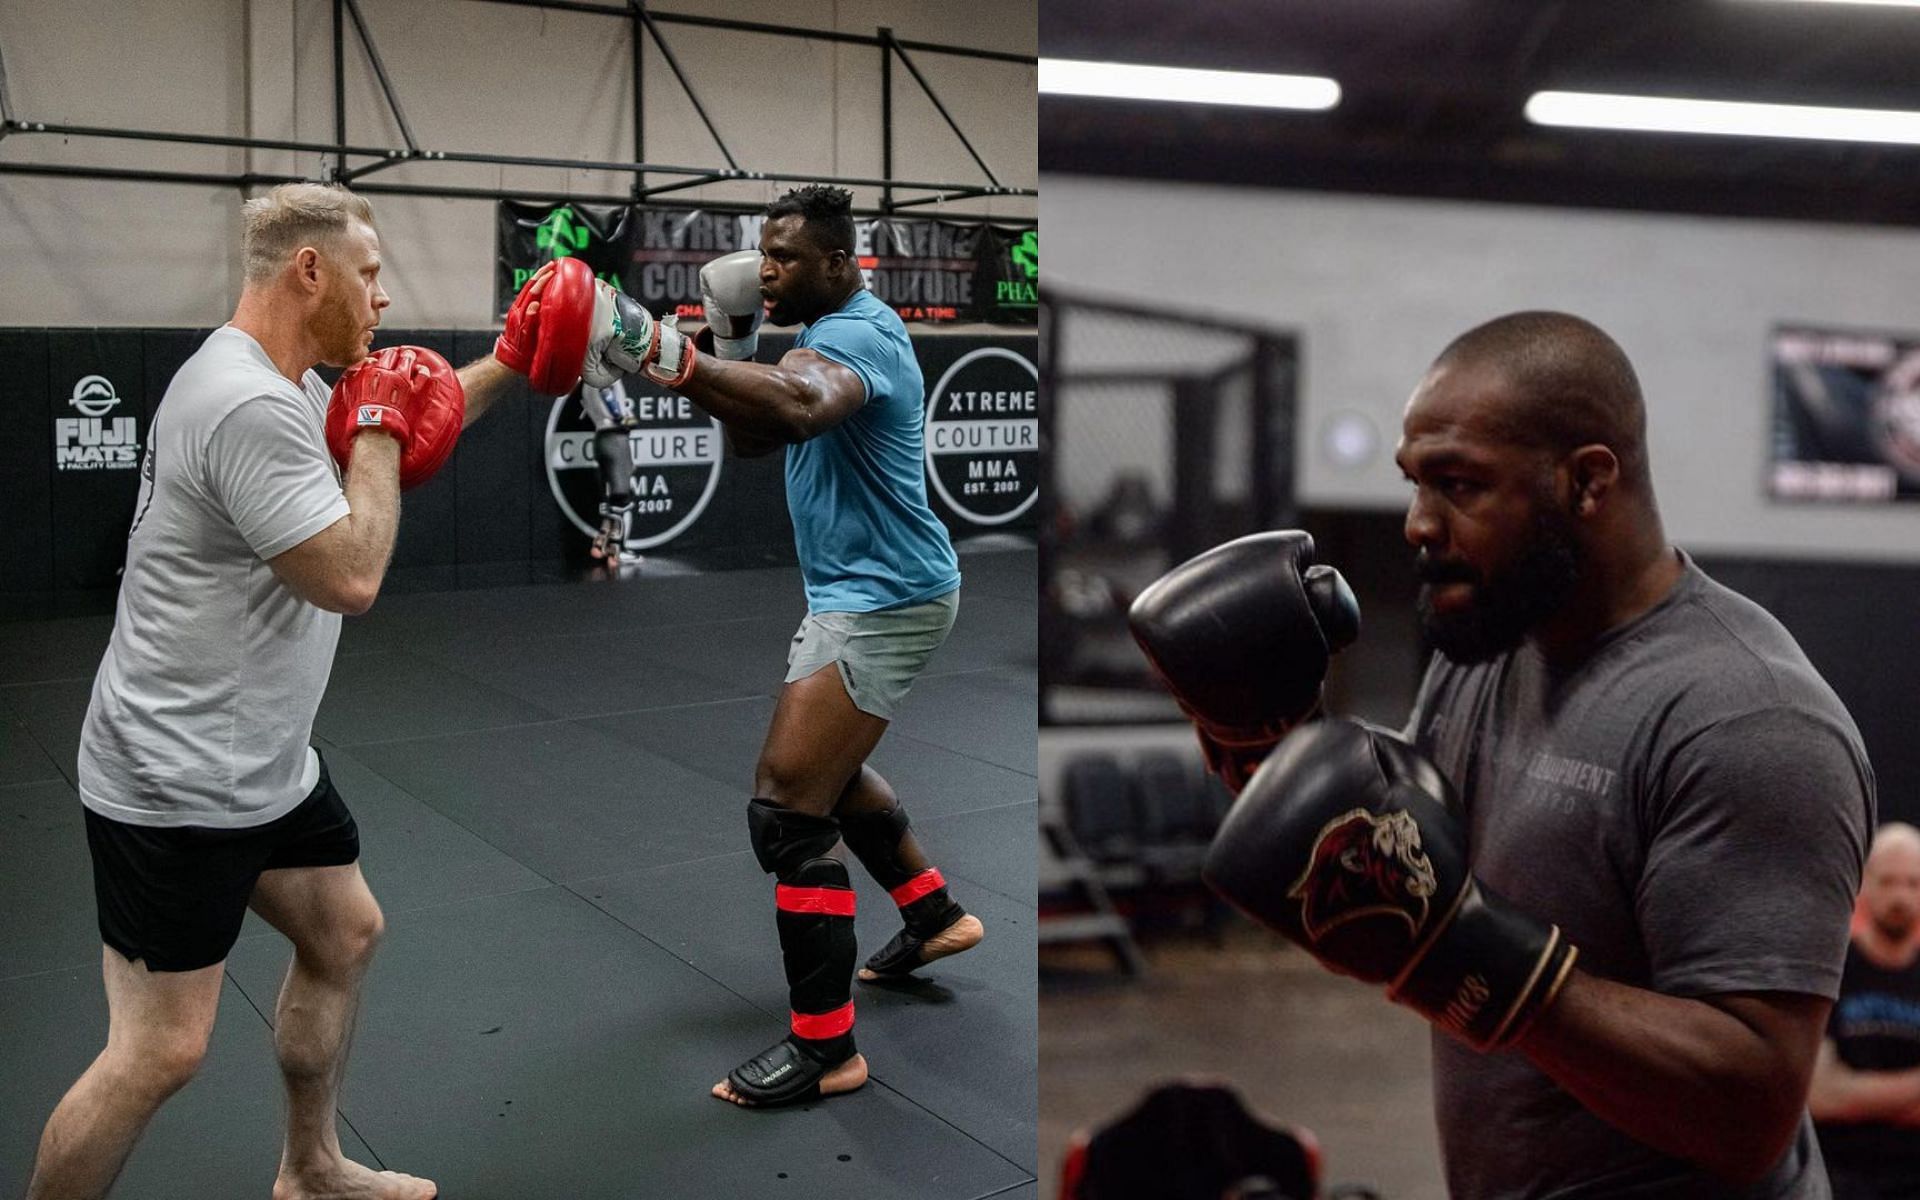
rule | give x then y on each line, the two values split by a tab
203	795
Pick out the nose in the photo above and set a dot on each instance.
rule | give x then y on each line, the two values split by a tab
1423	528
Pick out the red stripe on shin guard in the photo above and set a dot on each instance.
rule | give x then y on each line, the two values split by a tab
923	884
832	902
824	1025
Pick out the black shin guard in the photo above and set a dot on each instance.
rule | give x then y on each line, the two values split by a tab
817	944
922	895
814	899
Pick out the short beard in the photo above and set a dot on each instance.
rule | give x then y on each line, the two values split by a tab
1508	605
334	329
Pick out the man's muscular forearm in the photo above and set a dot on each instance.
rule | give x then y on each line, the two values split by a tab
483	380
1719	1082
787	401
372	486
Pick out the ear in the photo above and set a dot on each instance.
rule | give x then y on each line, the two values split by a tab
307	268
1593	471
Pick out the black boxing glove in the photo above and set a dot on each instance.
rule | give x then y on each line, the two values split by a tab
1346	842
1241	635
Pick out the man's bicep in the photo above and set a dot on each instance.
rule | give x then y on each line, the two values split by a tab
1751	874
842	389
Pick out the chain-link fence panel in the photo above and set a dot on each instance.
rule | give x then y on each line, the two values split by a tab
1164	436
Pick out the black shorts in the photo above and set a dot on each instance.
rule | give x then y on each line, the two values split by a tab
175	896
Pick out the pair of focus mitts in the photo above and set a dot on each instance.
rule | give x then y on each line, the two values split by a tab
567	327
1344	837
408	393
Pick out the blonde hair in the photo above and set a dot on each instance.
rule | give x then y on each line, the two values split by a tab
293	215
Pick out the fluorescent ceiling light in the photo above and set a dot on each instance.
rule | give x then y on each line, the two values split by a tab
1663	114
1880	3
1127	81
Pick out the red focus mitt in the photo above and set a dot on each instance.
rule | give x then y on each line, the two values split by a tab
411	394
550	326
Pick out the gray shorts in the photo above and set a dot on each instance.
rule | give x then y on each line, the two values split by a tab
880	653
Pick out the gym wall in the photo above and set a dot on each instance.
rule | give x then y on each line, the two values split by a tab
1375	287
470	76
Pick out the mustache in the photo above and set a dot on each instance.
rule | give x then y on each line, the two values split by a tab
1434	571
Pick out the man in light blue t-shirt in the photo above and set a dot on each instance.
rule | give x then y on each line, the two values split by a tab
882	587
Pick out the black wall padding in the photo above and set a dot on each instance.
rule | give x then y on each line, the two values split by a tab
1860	624
68	498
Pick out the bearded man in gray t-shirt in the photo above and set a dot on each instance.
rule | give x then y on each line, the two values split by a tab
203	795
1614	856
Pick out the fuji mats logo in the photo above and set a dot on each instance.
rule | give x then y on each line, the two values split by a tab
93	441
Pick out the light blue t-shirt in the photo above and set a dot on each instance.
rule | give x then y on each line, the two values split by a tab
858	493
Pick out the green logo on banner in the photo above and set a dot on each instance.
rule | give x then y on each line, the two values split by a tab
1026	253
1025	257
559	236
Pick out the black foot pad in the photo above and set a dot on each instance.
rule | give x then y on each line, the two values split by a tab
783	1073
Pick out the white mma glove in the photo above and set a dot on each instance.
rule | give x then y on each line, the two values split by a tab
730	290
627	340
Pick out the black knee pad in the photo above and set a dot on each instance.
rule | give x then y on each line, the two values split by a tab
875	840
783	839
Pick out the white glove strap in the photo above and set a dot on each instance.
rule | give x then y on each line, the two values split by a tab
672	364
735	348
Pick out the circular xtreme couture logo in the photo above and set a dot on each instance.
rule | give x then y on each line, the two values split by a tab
676	463
983	435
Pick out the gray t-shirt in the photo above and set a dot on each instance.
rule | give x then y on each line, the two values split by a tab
203	706
1691	805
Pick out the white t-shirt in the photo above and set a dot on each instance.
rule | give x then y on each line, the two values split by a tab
203	707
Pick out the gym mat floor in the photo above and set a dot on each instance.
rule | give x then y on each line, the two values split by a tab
551	785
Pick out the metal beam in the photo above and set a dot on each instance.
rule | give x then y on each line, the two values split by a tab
392	156
935	97
664	188
640	18
6	102
962	194
886	115
127	175
366	169
339	86
200	139
792	31
636	52
254	179
686	84
380	73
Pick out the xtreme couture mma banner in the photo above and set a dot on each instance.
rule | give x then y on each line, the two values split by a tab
1846	416
982	453
929	271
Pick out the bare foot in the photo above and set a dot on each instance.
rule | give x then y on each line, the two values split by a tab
843	1078
344	1180
963	934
